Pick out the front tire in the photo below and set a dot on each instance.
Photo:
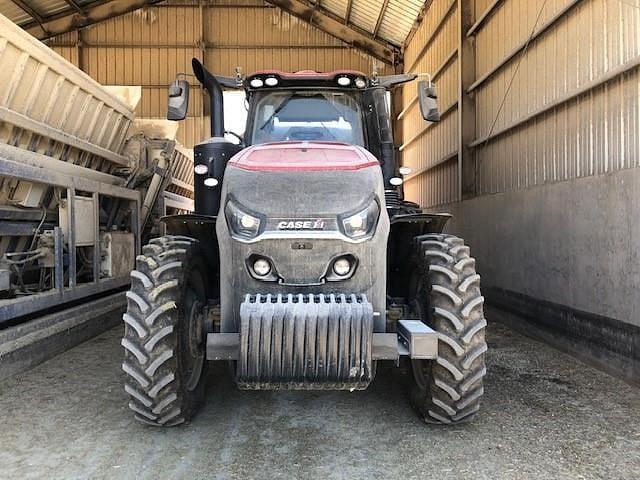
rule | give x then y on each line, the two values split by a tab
164	334
445	294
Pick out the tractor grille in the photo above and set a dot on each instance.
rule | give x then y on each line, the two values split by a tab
305	342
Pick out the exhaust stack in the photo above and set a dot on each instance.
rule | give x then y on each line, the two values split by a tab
212	86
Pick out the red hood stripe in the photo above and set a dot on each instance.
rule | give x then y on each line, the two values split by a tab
303	157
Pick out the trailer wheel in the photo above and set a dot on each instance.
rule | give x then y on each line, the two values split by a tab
164	335
445	293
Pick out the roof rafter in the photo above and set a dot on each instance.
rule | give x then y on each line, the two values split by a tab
29	9
347	14
75	6
383	10
93	13
381	50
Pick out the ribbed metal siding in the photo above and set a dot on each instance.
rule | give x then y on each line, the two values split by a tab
431	149
543	139
13	12
399	19
591	134
148	47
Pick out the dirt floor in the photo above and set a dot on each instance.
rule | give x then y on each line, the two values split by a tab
545	416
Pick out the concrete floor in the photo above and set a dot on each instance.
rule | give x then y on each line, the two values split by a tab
545	415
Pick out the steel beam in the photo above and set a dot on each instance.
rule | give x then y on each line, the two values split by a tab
466	102
28	9
519	48
19	307
11	168
347	14
75	6
71	236
30	343
93	14
216	46
443	113
490	10
8	212
612	74
324	22
447	158
17	229
47	163
383	10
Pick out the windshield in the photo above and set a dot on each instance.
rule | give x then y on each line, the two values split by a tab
306	116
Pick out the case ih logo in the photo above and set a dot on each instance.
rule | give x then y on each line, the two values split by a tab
301	225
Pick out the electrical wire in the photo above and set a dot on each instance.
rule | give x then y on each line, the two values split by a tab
24	260
37	231
18	254
513	77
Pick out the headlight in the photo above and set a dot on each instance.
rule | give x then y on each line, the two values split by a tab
361	224
241	223
201	168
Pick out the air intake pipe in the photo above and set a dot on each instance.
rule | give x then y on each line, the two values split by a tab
212	155
212	86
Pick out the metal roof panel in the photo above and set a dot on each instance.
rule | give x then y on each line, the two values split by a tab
13	12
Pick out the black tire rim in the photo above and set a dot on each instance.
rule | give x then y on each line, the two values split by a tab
194	351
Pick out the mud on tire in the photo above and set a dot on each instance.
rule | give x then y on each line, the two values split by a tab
446	294
161	364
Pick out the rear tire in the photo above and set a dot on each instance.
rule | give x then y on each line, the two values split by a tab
164	334
445	294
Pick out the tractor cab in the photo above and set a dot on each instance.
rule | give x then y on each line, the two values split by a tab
342	106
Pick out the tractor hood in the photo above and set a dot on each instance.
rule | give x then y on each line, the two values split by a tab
290	202
299	179
303	157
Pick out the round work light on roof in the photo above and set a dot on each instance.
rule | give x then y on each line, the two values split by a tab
271	82
344	81
256	83
360	82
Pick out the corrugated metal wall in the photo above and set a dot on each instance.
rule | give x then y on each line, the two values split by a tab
543	179
544	141
148	47
431	149
567	108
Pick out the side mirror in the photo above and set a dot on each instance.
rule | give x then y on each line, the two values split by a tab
178	100
428	101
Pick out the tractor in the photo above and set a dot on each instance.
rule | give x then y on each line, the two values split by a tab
303	266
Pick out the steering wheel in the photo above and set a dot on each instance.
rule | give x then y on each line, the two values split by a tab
234	134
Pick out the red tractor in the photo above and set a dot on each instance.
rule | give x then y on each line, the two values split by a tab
303	266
